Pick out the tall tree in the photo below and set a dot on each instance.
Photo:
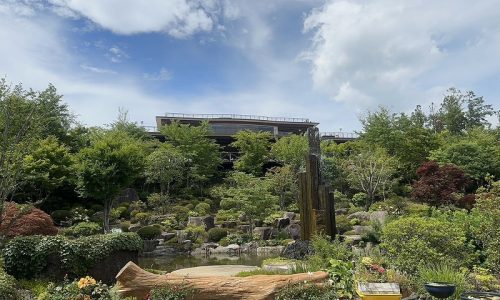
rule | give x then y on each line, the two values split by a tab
254	151
109	165
283	183
291	150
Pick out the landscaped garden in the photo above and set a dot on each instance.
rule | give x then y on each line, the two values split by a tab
417	200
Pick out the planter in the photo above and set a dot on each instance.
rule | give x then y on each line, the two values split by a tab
440	289
479	296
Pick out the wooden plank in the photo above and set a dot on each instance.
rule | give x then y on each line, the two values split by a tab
330	223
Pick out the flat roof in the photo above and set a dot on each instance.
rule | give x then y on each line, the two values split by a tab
235	117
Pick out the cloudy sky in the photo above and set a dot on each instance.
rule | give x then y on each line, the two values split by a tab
328	61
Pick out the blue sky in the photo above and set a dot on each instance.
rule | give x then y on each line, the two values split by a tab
329	61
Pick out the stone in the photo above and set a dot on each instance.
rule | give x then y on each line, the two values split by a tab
298	250
187	244
195	221
209	222
233	247
166	236
289	214
283	222
149	246
341	211
283	267
293	231
134	227
270	250
379	216
249	247
264	233
360	215
244	228
209	245
360	230
352	239
229	224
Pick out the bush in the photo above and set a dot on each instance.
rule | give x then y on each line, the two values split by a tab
124	226
342	223
7	286
83	229
25	220
172	292
27	256
196	234
442	272
142	217
325	250
79	214
84	288
120	212
149	232
61	216
96	207
216	234
411	242
306	291
181	212
202	209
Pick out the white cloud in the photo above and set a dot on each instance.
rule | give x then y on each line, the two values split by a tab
397	52
162	75
97	70
116	55
178	18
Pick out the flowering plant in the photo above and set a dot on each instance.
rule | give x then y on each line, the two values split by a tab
86	288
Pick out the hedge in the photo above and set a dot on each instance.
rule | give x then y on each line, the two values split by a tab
28	256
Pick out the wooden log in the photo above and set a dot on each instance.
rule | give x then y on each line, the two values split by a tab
132	281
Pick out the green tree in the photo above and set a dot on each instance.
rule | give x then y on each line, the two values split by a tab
122	123
48	167
370	170
283	183
246	194
254	151
291	150
165	165
110	164
201	152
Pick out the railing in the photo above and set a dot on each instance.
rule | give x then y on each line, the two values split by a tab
339	135
234	116
150	128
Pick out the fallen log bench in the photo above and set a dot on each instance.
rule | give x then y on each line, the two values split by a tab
132	281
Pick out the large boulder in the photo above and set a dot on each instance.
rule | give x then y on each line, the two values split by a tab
289	214
360	230
360	215
195	221
298	250
264	233
167	236
209	222
293	231
379	216
283	222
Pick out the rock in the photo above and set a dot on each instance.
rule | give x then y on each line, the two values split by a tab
249	247
353	239
167	236
209	245
341	211
293	231
298	250
289	214
360	230
244	228
264	233
283	267
149	246
195	221
229	224
134	227
209	222
379	216
283	222
233	247
360	215
413	296
270	250
187	244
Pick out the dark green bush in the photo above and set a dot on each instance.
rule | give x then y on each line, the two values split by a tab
61	216
216	234
325	250
149	232
83	229
124	226
181	212
7	286
306	291
202	209
27	256
97	207
342	223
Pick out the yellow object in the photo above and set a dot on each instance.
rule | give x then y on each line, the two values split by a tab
378	291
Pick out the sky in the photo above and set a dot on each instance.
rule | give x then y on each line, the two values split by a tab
328	61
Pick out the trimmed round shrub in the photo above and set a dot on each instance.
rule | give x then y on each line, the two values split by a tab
7	286
142	217
120	212
149	232
216	234
202	209
415	241
124	226
181	212
26	220
84	229
61	215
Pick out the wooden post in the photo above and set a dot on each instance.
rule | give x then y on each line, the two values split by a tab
331	227
305	208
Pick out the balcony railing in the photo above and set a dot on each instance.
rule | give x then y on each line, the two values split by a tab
339	135
237	117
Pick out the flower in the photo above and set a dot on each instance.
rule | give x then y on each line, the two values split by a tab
86	281
367	261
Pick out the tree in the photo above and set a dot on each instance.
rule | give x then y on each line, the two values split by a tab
165	165
439	185
370	170
110	164
122	123
201	152
291	150
48	167
283	183
254	150
246	194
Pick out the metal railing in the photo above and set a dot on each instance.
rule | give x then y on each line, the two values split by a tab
150	128
340	135
235	116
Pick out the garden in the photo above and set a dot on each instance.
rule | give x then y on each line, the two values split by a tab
417	201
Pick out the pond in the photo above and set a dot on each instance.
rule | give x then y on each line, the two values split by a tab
172	263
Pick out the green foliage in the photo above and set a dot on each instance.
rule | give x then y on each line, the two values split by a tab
216	234
181	212
291	150
414	241
442	272
283	183
124	226
324	250
7	286
149	232
172	292
202	209
254	150
306	291
83	229
343	224
142	217
27	256
61	216
165	166
341	273
196	234
85	288
120	212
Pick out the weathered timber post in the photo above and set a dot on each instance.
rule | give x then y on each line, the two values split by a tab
316	203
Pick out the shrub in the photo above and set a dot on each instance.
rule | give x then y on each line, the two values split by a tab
84	288
306	291
142	217
25	220
149	232
27	256
172	292
342	223
181	212
120	212
124	226
414	241
83	229
324	250
96	207
202	209
442	272
196	234
7	286
79	214
216	234
359	199
61	216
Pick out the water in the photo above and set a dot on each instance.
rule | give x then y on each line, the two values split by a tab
172	263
